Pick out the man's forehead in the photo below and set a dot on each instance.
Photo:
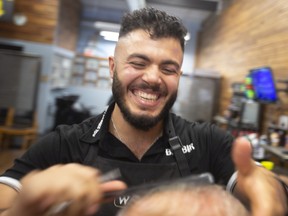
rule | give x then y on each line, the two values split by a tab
139	35
141	39
133	36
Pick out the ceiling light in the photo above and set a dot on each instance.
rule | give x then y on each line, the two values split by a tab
107	26
109	35
20	19
136	4
187	37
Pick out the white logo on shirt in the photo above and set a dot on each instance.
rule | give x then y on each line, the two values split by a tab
185	149
121	201
100	124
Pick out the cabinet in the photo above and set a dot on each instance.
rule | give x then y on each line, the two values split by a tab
19	80
198	96
90	71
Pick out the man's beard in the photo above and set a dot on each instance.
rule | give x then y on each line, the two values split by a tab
141	122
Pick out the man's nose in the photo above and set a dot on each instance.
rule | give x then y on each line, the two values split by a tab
152	75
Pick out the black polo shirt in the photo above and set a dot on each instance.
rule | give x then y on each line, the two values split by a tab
206	147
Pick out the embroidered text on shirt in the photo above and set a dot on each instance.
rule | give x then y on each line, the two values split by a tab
100	124
185	149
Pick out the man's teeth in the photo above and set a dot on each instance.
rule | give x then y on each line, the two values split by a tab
146	96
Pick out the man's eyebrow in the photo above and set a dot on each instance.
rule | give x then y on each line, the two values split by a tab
137	55
170	62
146	58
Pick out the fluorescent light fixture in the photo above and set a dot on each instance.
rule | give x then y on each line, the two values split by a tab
136	4
109	35
107	26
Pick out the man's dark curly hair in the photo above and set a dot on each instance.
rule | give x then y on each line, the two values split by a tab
156	22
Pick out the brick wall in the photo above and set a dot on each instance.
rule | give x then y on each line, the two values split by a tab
247	34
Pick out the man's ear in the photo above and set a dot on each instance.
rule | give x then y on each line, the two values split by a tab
112	66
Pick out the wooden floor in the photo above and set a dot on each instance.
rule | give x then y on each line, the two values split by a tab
7	157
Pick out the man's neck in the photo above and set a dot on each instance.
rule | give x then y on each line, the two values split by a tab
138	141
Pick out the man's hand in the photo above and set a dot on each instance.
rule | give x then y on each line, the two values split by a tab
264	192
74	183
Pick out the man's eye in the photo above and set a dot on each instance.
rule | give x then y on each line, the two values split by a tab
137	64
169	71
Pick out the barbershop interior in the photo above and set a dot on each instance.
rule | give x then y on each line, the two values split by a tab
54	68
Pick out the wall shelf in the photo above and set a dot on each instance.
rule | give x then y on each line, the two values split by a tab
90	71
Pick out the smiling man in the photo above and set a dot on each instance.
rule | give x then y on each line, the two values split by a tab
146	76
137	135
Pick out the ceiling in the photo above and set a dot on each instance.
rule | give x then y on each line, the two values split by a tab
192	12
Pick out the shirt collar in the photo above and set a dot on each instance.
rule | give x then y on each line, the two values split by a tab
99	127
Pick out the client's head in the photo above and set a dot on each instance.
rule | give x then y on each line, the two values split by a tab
182	199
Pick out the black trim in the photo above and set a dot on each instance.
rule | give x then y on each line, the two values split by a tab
176	147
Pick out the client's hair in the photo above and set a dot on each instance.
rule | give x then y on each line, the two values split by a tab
182	199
